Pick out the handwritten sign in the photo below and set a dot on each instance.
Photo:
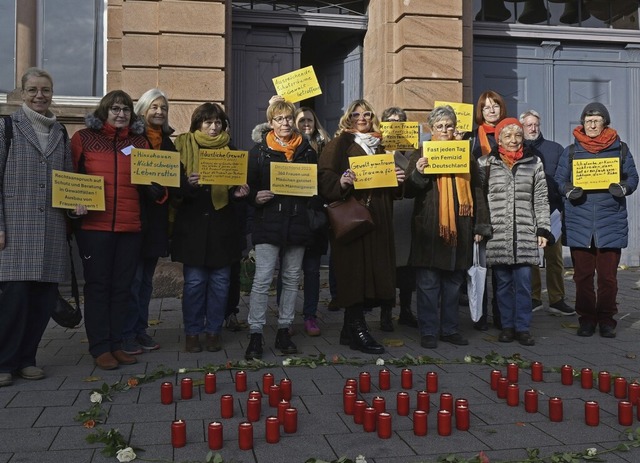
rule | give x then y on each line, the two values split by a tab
297	85
446	157
596	174
399	135
375	171
220	167
69	190
293	179
464	114
162	167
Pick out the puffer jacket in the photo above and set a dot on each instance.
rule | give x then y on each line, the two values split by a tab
597	215
284	219
518	207
98	150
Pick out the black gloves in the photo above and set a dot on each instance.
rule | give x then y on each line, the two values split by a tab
155	191
618	189
573	193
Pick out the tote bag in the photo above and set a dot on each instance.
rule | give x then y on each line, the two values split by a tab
477	276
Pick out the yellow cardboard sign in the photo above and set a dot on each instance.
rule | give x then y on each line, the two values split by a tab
375	171
69	190
297	85
464	114
596	174
446	157
399	135
220	167
294	179
162	167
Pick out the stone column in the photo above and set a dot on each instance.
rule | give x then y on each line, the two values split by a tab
26	37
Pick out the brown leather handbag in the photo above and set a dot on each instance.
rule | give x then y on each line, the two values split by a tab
349	219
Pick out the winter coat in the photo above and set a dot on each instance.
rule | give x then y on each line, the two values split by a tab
98	150
364	268
597	215
35	232
402	216
476	149
283	220
428	249
518	206
549	153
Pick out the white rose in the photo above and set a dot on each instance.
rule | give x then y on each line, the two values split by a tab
380	362
182	370
96	397
592	452
286	362
126	454
467	359
360	459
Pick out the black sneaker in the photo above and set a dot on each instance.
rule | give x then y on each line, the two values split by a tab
506	335
536	305
561	308
607	331
254	349
525	338
429	342
284	343
586	330
455	338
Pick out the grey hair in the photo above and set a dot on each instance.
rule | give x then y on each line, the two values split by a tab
393	111
527	113
35	72
442	112
143	104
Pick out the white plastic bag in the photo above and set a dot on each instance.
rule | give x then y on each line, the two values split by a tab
476	281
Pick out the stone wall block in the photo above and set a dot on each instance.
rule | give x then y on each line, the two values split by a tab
140	50
140	17
137	81
192	17
415	31
114	55
114	22
420	94
400	8
193	84
191	51
427	63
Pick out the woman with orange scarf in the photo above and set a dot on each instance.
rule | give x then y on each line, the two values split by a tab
595	220
449	212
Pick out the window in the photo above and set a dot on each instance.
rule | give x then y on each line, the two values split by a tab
7	45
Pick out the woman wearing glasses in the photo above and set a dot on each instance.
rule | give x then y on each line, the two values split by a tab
365	267
109	240
280	227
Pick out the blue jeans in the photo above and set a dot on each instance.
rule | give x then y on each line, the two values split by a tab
311	278
437	300
204	299
514	295
137	320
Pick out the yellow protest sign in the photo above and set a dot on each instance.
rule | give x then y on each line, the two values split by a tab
69	190
446	157
162	167
464	114
375	171
596	174
297	85
219	167
399	135
293	179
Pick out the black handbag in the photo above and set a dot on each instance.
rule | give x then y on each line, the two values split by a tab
65	314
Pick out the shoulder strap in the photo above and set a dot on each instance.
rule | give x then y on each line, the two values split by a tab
8	131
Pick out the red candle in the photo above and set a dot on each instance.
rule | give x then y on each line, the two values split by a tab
245	435
432	382
502	388
384	380
423	401
402	403
290	420
256	395
420	423
365	382
282	406
444	423
215	435
166	393
586	378
633	392
591	413
253	409
358	411
383	423
272	430
351	382
513	395
349	402
379	404
462	418
512	373
495	376
462	403
620	388
186	388
241	381
531	401
406	378
446	402
536	371
267	382
285	388
226	406
555	409
566	375
178	433
274	395
210	383
604	382
348	388
369	421
625	413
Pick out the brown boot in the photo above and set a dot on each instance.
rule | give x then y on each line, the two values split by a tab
213	342
106	361
123	358
193	344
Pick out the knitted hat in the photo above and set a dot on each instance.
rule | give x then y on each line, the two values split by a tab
595	109
505	122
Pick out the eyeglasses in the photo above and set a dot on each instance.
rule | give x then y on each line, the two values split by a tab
366	115
532	126
444	127
281	119
495	108
597	121
33	91
115	110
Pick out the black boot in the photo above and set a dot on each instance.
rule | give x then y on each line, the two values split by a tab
254	349
284	343
361	339
386	323
407	318
345	336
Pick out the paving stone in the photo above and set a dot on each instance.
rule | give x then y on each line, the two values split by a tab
27	439
23	417
57	456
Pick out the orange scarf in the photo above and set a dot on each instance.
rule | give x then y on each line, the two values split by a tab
596	144
287	147
446	214
510	157
483	131
155	137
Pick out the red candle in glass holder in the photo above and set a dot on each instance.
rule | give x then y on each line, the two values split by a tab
349	402
555	409
406	378
166	393
531	401
402	403
502	388
383	424
226	406
420	423
536	371
379	404
178	433
495	376
365	381
274	395
256	395
432	382
461	403
245	435
290	420
423	401
253	409
586	378
620	388
358	411
462	418
604	382
384	380
272	430
214	435
351	382
186	388
625	413
285	389
446	402
512	373
513	395
633	392
210	383
444	423
241	381
282	406
566	375
591	413
267	382
369	420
